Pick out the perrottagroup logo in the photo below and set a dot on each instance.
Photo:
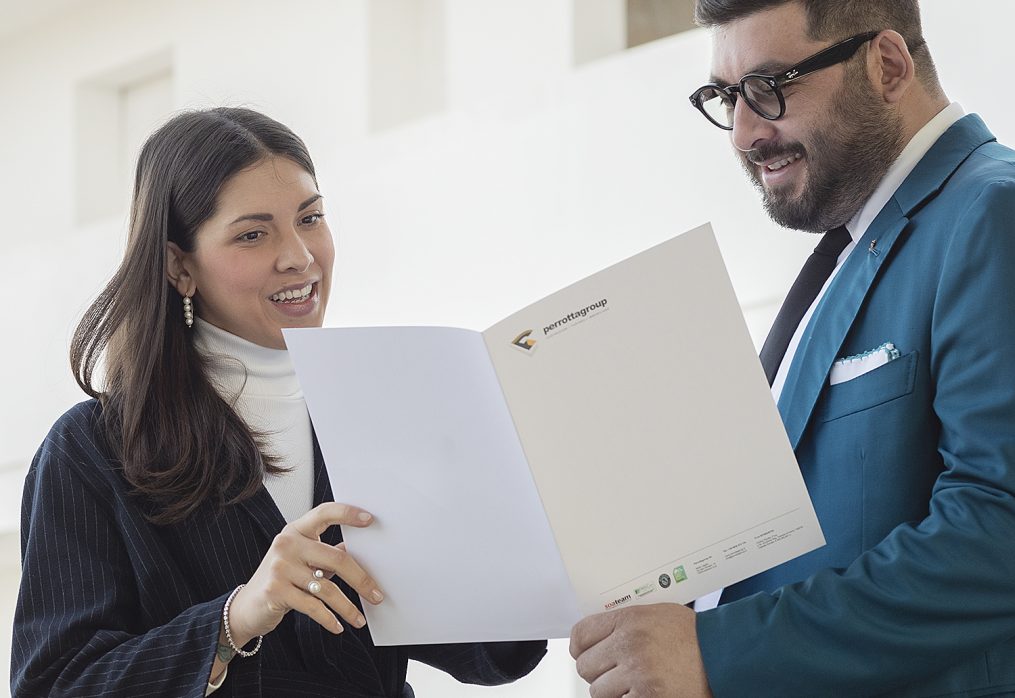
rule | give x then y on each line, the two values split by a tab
523	341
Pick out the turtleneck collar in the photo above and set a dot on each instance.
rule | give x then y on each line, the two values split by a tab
239	366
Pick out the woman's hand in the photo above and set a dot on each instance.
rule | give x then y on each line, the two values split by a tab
283	581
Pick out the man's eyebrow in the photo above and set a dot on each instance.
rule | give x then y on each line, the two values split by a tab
763	69
769	69
267	217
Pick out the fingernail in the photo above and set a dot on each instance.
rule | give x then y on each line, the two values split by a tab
360	621
376	595
363	516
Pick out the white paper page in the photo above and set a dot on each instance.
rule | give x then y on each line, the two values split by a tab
414	428
660	457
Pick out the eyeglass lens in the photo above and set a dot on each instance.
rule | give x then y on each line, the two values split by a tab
758	92
718	106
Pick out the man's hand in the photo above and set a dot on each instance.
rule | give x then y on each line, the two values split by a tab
639	652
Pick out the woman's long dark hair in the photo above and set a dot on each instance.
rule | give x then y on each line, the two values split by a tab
179	443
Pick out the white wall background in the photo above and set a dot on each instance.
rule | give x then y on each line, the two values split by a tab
469	168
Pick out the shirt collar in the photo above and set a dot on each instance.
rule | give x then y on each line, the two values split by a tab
237	366
900	169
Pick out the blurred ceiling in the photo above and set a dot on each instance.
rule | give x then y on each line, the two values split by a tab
17	16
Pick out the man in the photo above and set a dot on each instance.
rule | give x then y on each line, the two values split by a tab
893	363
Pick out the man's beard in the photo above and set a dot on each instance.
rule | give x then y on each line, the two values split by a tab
845	163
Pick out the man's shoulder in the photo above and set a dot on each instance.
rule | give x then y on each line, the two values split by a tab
989	157
987	171
987	176
995	157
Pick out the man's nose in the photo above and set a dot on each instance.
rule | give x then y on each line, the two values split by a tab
749	128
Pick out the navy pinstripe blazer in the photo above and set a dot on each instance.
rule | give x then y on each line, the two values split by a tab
112	605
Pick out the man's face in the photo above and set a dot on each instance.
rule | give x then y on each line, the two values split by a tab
817	165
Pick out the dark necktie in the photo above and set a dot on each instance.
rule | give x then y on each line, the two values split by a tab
805	289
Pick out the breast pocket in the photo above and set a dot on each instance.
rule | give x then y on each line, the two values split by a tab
886	383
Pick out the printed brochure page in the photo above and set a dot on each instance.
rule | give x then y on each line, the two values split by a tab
615	443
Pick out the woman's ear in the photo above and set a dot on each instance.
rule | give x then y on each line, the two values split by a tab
176	270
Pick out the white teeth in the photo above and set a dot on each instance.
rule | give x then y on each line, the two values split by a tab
297	295
775	166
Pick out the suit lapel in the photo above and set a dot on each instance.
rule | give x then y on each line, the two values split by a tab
322	492
264	512
266	515
842	302
363	664
835	314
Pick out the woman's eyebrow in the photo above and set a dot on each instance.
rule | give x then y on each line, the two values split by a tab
266	217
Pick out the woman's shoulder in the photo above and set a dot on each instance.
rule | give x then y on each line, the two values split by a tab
77	427
74	444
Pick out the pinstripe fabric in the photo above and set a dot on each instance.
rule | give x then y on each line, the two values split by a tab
111	605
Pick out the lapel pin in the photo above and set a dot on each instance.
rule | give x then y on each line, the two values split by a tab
873	249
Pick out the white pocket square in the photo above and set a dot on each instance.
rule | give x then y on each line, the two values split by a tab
851	367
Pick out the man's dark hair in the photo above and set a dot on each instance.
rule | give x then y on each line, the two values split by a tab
835	20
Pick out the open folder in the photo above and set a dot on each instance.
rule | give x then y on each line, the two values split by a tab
614	443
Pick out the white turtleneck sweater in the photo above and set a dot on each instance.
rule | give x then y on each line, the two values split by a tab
261	385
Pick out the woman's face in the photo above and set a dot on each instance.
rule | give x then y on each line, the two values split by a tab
263	260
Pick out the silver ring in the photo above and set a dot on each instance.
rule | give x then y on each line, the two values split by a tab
319	574
314	587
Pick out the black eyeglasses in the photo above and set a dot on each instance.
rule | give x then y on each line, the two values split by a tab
763	93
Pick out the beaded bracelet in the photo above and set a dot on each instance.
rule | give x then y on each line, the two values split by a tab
225	626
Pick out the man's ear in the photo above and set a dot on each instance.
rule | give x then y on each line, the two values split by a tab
892	65
176	270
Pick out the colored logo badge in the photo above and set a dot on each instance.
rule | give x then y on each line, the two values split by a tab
664	580
679	574
646	589
523	341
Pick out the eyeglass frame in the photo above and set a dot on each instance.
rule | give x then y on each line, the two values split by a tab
826	58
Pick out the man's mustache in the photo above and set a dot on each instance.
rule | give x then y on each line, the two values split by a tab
772	151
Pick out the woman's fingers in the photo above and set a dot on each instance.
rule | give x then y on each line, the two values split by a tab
324	516
288	578
314	595
338	560
327	592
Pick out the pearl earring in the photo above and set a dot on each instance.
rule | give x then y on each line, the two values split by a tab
188	312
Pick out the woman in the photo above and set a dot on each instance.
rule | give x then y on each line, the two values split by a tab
179	536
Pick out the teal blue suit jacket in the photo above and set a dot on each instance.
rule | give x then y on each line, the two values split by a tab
911	467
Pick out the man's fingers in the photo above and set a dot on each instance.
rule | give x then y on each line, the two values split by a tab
595	662
612	684
324	516
591	630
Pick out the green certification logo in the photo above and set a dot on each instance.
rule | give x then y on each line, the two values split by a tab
679	574
646	589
